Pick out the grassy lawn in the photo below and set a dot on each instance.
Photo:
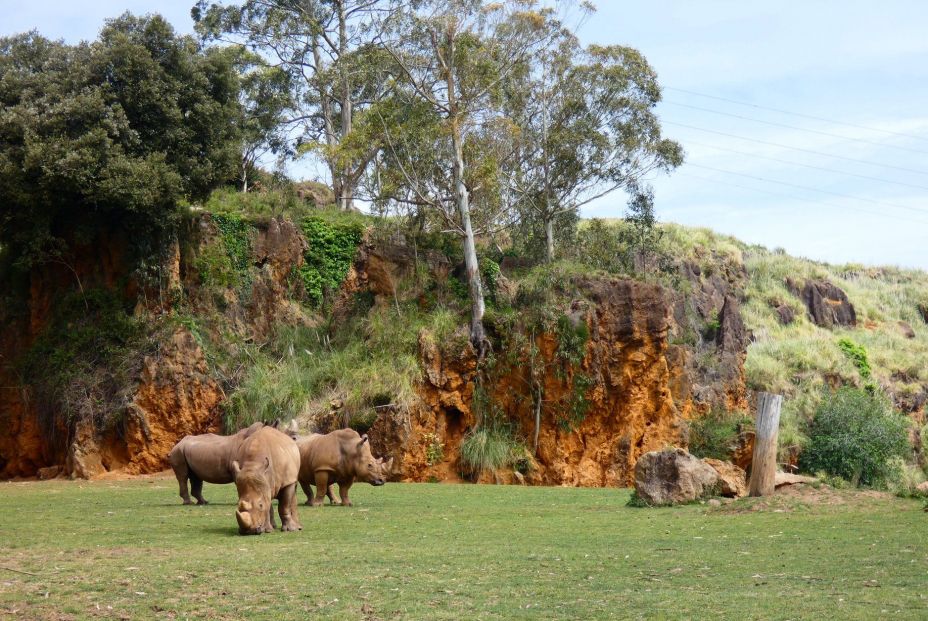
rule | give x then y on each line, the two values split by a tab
129	550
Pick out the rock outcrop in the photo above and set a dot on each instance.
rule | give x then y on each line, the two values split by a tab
827	305
673	476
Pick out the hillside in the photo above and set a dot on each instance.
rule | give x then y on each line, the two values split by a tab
264	307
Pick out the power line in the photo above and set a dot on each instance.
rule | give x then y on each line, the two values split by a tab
785	146
810	189
798	198
822	168
797	114
794	127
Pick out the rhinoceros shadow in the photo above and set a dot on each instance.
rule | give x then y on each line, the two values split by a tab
228	531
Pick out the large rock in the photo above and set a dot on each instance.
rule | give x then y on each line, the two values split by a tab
828	305
732	480
673	476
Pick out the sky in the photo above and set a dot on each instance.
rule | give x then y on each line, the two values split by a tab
805	123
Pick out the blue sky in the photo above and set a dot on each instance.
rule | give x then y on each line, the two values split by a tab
861	63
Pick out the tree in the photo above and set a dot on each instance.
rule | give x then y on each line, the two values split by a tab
328	49
586	128
117	131
453	56
265	99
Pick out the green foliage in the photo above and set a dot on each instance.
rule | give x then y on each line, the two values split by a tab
903	479
490	273
853	435
332	248
83	364
434	449
110	133
489	447
571	414
858	355
715	434
366	362
226	263
572	337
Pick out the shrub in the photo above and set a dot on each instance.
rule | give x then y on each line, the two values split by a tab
852	436
489	447
434	449
85	360
902	479
715	434
858	355
332	246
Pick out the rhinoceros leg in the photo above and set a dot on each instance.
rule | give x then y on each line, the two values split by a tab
181	472
286	506
322	484
343	492
270	525
328	492
196	488
308	490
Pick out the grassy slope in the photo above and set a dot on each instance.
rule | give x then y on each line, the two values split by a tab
797	360
452	552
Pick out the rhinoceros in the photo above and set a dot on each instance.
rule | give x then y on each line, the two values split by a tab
340	457
266	466
206	457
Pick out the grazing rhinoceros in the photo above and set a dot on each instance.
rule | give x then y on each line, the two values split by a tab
338	457
266	466
207	457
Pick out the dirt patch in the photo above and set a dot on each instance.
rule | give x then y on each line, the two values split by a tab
800	497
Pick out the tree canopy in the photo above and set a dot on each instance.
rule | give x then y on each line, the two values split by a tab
119	129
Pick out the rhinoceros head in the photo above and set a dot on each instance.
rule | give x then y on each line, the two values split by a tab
367	468
254	497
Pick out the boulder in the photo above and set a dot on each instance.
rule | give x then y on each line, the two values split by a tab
923	311
732	480
828	305
673	476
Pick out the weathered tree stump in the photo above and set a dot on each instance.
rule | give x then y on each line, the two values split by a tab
764	463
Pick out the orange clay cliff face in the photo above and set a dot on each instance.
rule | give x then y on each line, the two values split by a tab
638	391
628	386
171	392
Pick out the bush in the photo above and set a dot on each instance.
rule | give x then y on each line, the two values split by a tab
858	355
488	448
715	434
853	435
903	479
332	246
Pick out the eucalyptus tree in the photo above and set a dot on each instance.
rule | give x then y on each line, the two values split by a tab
266	99
587	127
329	49
453	57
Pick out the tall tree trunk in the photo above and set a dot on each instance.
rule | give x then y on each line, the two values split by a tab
346	197
549	239
325	103
477	333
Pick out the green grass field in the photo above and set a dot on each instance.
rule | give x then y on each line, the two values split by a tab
129	550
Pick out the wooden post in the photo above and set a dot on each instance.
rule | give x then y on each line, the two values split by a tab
764	462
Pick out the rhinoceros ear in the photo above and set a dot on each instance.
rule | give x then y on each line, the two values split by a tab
236	468
363	440
388	465
267	464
